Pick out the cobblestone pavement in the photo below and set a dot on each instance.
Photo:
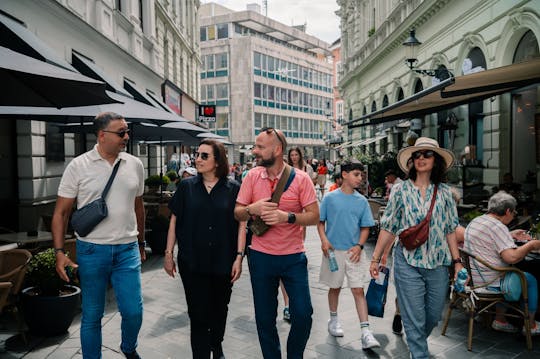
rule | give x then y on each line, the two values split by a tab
165	331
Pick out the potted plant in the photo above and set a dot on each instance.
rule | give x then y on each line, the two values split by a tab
154	182
48	303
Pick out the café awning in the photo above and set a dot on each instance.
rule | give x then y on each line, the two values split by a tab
457	91
15	36
30	82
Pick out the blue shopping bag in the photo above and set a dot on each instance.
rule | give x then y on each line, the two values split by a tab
376	294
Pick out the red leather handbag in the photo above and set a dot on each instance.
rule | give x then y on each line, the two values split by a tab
415	236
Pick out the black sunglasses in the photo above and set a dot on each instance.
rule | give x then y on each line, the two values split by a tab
203	155
269	131
120	134
426	153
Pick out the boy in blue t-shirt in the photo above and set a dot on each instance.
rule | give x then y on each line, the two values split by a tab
345	219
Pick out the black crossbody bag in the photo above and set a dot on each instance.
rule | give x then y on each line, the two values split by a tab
86	218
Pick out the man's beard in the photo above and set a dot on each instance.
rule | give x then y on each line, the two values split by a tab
266	163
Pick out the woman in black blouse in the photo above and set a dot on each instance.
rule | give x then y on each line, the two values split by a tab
210	246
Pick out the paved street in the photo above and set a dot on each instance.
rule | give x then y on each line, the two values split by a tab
165	331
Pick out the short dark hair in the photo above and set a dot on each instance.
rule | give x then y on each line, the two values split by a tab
437	173
337	176
103	120
390	172
220	154
351	165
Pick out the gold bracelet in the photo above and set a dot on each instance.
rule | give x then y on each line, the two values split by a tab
167	251
375	261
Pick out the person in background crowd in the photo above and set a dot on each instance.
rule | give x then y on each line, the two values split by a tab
330	166
345	219
421	274
279	252
112	252
187	172
322	171
391	179
338	180
488	237
246	170
210	246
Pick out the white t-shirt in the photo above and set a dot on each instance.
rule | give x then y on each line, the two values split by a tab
85	178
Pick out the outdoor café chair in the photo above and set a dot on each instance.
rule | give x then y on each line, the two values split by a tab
477	301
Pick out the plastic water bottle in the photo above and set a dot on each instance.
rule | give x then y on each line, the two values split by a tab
459	285
332	262
381	278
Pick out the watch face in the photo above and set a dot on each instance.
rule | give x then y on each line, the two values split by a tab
292	218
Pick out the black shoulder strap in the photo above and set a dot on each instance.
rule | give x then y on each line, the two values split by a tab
111	179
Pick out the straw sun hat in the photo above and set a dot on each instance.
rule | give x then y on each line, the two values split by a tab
424	143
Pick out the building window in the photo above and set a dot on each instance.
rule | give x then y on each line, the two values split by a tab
165	58
54	144
141	14
222	31
203	34
221	61
527	48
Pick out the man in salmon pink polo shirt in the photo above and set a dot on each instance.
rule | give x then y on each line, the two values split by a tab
278	253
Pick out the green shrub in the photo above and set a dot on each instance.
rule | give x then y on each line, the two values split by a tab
155	181
41	273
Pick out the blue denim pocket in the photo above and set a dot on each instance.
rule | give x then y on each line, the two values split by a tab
85	247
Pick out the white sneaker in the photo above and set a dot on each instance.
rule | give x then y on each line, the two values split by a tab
369	341
334	328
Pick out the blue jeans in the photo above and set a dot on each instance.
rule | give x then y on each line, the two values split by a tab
266	270
120	265
421	296
532	291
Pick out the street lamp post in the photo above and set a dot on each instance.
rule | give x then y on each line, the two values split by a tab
411	59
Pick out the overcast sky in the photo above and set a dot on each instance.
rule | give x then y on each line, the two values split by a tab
320	16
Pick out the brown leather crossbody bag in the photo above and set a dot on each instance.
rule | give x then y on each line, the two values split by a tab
415	236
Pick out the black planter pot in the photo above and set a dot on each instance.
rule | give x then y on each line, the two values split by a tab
49	316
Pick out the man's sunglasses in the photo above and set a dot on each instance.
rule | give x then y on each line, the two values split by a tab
203	155
120	134
269	131
426	153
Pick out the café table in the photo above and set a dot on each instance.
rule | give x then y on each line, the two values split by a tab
24	240
531	264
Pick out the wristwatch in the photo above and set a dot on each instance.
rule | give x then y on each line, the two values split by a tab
457	260
360	245
291	218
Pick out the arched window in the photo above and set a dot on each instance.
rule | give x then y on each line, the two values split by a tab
400	95
527	48
364	111
385	101
373	106
418	86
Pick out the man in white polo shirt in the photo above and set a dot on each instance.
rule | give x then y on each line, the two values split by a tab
113	250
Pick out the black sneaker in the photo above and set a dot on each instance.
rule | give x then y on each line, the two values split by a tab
397	327
132	355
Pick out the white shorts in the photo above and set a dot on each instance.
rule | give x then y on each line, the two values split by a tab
357	273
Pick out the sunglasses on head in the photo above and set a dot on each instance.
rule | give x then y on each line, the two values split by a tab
120	134
425	153
269	131
203	155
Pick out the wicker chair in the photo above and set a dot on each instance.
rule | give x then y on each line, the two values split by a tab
485	302
377	208
12	270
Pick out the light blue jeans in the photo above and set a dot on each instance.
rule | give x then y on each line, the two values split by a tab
421	296
99	265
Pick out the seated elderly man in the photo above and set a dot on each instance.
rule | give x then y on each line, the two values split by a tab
488	237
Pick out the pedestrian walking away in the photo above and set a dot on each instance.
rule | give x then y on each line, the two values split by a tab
421	273
210	246
277	250
113	250
345	220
